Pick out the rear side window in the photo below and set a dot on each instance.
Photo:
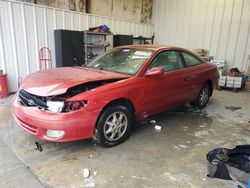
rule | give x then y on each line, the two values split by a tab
190	60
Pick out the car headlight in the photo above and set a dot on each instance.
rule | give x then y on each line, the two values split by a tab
74	105
55	106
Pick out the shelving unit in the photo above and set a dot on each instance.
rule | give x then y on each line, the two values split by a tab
143	40
247	79
96	43
69	48
120	40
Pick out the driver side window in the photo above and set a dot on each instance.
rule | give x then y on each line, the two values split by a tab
169	60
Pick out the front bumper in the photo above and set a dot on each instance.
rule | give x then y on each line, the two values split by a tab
76	125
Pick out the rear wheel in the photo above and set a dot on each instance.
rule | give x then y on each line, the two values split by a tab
202	98
114	125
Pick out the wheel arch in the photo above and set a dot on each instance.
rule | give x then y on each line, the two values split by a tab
210	84
123	101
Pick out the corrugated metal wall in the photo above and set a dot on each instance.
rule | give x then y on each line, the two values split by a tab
25	28
221	26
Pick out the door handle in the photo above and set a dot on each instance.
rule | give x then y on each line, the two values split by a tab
187	78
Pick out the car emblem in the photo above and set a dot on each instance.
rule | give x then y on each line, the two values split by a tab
31	102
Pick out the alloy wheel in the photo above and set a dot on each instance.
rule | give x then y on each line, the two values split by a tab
204	95
115	126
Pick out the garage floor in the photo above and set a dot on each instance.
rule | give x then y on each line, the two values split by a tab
174	157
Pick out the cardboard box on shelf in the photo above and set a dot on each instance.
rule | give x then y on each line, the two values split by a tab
201	51
232	82
222	83
230	78
248	70
223	78
237	84
247	85
229	85
238	79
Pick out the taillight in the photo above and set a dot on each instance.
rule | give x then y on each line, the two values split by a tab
74	105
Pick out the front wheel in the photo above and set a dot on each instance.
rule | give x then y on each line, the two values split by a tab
202	98
114	125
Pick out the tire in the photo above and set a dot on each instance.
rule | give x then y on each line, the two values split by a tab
202	98
114	126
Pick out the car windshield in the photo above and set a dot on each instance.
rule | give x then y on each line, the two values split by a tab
121	60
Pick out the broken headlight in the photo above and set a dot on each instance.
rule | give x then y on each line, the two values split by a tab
55	106
65	106
74	105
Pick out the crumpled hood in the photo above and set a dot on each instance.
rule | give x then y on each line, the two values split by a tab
56	81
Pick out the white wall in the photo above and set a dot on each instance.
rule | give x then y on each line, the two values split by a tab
221	26
25	28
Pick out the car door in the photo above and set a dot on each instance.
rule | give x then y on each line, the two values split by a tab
195	70
169	89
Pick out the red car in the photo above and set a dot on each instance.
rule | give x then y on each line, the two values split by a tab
105	98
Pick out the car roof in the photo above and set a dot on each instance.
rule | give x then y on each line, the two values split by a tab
161	47
152	47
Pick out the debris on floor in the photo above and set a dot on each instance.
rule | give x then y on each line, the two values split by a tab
93	155
233	108
89	182
176	147
169	176
152	121
185	128
86	173
38	147
182	146
203	125
137	177
199	134
158	128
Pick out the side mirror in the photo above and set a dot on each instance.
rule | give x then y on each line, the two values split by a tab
154	72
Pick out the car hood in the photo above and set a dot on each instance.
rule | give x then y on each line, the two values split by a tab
56	81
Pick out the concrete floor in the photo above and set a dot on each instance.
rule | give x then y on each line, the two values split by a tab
174	157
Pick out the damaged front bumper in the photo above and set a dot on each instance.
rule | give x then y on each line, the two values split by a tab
55	127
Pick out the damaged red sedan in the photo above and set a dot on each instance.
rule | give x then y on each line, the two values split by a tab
107	97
